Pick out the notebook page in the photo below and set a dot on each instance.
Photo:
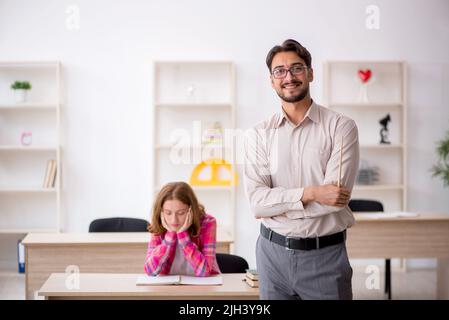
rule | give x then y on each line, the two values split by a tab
145	280
202	281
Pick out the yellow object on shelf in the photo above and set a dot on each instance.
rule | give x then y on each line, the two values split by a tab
215	179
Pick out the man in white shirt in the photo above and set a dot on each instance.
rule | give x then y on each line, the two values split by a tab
292	175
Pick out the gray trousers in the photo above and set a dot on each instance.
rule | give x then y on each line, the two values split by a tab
297	274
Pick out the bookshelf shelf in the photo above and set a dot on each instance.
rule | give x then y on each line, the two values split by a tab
28	190
384	94
366	106
26	205
194	105
381	146
192	147
191	97
378	187
29	106
29	148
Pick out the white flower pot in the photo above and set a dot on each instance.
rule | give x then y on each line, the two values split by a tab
21	95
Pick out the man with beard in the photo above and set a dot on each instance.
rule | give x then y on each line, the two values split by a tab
292	180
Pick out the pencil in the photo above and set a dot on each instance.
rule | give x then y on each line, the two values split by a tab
339	167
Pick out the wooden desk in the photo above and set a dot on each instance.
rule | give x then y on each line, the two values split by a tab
424	236
123	286
48	253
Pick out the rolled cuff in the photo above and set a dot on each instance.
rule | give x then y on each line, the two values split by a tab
183	237
170	236
293	197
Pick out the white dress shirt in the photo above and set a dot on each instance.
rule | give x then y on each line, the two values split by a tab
281	159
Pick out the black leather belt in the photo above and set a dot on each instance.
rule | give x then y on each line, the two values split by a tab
302	243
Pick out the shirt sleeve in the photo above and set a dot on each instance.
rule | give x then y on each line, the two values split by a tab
160	250
350	163
202	261
264	200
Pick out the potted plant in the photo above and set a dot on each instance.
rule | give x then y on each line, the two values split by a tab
442	168
20	88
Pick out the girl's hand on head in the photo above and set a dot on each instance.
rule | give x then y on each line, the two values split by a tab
187	222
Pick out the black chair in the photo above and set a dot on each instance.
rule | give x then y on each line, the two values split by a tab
374	206
229	263
118	225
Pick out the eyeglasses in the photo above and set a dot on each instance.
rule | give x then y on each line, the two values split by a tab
296	70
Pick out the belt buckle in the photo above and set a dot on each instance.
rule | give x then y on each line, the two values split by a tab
287	243
270	234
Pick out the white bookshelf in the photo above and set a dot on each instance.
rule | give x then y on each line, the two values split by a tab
189	96
195	105
26	206
28	190
386	95
27	148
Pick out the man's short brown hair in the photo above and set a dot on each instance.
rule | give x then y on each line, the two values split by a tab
290	45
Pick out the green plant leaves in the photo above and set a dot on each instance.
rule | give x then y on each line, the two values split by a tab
442	168
21	85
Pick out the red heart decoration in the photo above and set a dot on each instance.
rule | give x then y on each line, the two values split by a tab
365	75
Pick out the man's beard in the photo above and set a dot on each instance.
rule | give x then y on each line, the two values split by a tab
301	95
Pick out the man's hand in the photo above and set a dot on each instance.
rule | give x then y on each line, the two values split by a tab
327	194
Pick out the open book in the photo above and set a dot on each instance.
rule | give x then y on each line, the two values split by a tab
146	280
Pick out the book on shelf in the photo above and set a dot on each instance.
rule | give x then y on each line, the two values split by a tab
50	174
47	173
146	280
53	175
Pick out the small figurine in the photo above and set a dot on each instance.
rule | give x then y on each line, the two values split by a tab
214	134
191	91
366	78
384	130
26	138
367	174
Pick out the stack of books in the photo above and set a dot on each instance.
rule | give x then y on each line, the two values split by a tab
252	278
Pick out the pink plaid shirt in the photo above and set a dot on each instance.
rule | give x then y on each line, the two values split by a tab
199	251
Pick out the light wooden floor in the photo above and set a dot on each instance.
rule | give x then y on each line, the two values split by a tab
12	285
413	284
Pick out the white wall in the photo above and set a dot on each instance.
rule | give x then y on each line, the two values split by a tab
107	72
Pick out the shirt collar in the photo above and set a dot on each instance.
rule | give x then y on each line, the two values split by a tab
313	114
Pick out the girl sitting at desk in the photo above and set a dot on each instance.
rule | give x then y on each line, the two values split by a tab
183	236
